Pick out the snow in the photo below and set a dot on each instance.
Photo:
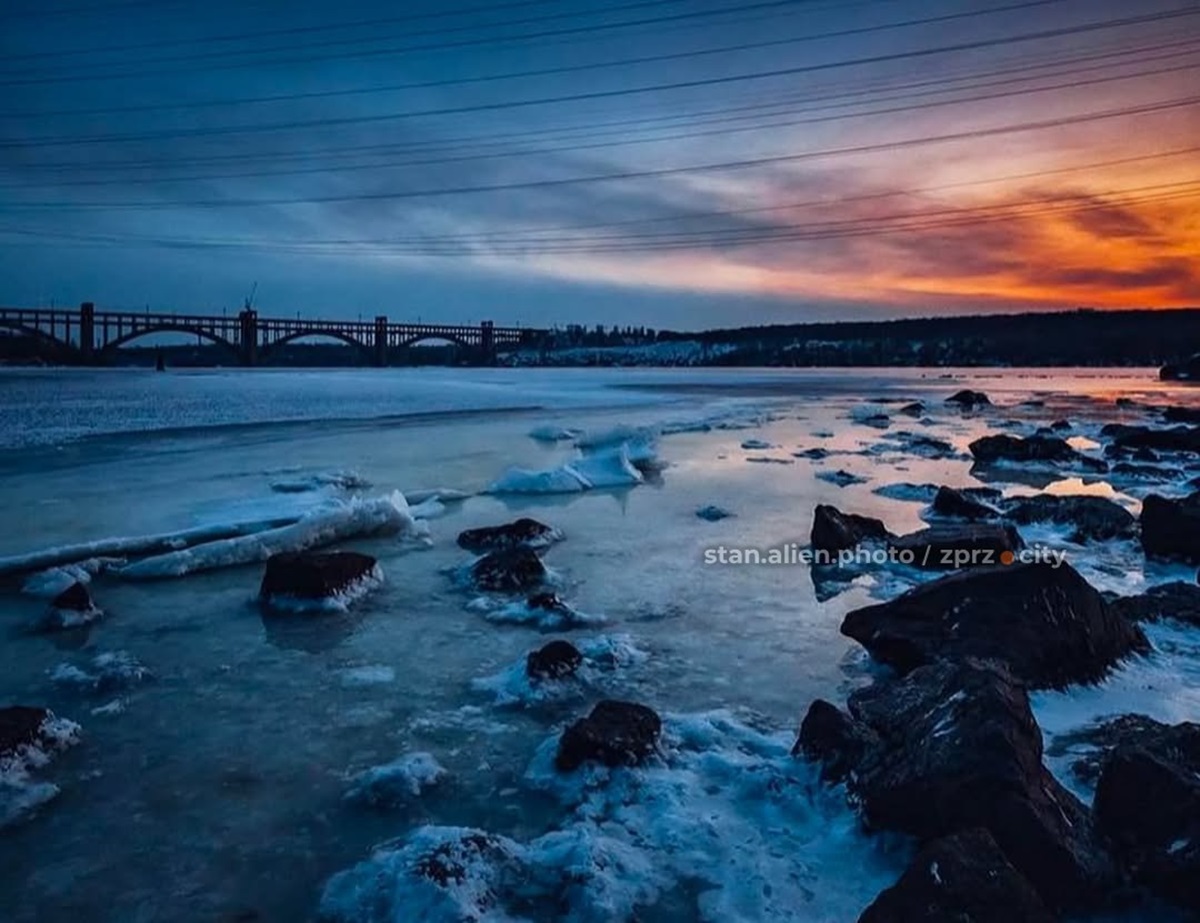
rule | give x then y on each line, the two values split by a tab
21	795
341	480
397	781
368	675
337	521
599	465
502	612
338	602
550	433
727	819
605	661
105	672
49	583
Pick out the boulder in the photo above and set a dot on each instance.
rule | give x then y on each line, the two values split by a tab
1094	518
1091	745
833	530
961	878
513	570
1148	805
955	545
21	726
968	399
555	660
1003	447
1176	414
524	531
1045	622
831	737
913	409
1061	425
1171	439
955	504
313	575
1177	600
72	608
614	734
961	750
1171	528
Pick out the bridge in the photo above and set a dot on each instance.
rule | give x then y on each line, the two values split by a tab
91	337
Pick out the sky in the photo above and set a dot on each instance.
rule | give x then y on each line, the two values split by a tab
681	164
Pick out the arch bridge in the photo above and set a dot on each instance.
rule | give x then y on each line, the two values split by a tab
89	336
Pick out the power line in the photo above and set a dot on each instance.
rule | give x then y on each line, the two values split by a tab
591	95
623	142
1160	106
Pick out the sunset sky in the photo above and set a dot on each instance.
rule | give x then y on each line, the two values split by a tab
673	163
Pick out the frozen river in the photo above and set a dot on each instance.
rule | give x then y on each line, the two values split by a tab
215	790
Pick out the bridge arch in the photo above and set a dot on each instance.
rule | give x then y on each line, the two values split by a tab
110	348
41	336
266	349
437	337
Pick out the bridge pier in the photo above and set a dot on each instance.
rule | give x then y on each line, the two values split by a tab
248	336
87	332
381	344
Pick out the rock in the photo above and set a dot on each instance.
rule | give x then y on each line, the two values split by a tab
833	530
831	737
968	399
76	598
1046	623
712	513
1171	528
955	545
513	570
21	726
614	734
548	602
957	505
1171	439
816	454
961	878
313	575
555	660
1061	425
521	532
1148	805
961	750
1094	518
72	608
1182	415
1187	370
1003	447
1177	600
1093	744
841	478
914	409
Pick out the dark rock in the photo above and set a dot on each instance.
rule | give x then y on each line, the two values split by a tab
1171	439
968	399
1148	805
957	505
829	736
549	602
1177	600
614	734
841	478
72	608
1046	623
313	575
961	750
712	513
21	726
1188	370
1171	528
511	571
955	545
816	454
450	863
524	531
1182	415
961	878
74	598
1003	447
553	661
926	446
1094	518
1093	744
833	530
1061	425
915	409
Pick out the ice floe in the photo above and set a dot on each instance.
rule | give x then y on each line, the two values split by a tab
21	793
105	673
341	480
536	612
605	658
600	464
393	783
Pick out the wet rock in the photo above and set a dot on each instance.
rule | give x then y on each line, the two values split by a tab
1003	447
833	530
615	734
1046	623
513	570
914	409
712	513
1171	439
1093	744
956	504
1171	528
955	545
555	660
1178	600
1094	518
841	478
924	446
452	862
311	575
21	726
1061	425
816	454
1188	370
1148	805
831	737
968	399
521	532
961	750
961	878
72	608
1182	415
